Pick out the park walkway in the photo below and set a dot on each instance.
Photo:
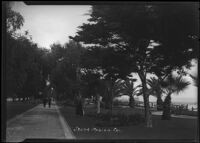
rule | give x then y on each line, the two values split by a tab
39	122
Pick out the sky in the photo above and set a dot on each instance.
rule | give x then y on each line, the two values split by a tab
49	24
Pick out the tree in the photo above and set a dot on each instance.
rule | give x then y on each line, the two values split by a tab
57	69
90	80
65	65
156	90
24	68
127	88
116	91
24	60
172	85
149	38
108	62
14	20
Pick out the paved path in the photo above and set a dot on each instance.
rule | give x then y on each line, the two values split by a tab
38	122
175	116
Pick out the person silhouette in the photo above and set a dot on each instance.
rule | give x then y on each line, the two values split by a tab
44	102
79	106
49	102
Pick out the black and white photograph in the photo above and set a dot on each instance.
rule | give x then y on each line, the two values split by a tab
100	71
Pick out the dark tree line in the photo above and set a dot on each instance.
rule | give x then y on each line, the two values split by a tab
25	61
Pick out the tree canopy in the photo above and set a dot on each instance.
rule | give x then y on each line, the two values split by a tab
142	38
131	29
24	60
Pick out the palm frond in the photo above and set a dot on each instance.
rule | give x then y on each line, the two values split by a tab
181	84
139	92
124	87
175	84
155	86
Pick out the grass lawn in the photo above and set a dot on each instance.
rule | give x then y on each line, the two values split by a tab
189	113
176	128
15	108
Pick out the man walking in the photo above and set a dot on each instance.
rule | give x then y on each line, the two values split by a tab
79	106
44	102
49	102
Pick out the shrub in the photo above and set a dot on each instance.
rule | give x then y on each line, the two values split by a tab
119	119
184	112
136	118
179	110
68	103
123	119
116	103
106	116
120	103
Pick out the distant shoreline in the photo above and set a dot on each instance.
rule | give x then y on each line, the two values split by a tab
176	102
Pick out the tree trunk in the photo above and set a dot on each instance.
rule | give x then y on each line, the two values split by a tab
98	104
111	94
148	117
107	99
131	101
166	108
159	103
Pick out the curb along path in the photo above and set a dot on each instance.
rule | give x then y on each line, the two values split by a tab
67	130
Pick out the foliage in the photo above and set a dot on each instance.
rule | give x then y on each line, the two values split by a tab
117	88
134	26
175	84
14	20
184	112
24	60
127	88
172	85
24	75
156	90
90	81
127	32
119	119
65	62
